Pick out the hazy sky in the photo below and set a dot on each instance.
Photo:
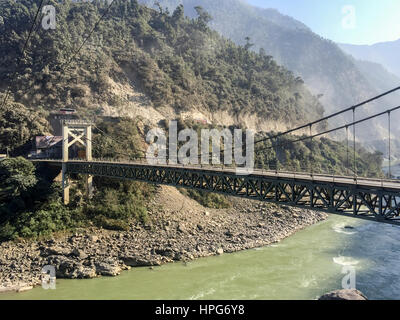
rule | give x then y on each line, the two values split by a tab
347	21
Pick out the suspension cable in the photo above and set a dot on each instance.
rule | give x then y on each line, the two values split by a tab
390	158
331	115
337	128
354	141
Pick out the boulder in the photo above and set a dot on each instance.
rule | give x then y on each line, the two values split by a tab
344	294
70	269
93	238
136	261
79	254
54	250
108	267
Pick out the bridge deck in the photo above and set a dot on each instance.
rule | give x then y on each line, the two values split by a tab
365	198
351	181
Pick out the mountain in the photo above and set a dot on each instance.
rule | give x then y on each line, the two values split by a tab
377	75
144	63
385	53
327	71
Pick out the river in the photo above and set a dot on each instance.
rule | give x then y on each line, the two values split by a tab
303	266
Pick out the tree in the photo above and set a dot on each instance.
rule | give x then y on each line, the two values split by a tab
178	14
18	125
248	45
17	175
203	17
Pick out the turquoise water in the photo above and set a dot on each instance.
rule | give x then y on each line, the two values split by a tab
304	266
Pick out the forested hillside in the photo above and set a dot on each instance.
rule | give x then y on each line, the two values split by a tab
325	68
177	62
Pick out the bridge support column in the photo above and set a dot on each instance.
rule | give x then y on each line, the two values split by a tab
65	184
89	186
89	178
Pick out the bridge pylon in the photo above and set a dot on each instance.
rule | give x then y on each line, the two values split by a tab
75	131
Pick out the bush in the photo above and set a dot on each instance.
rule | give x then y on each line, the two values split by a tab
111	224
207	199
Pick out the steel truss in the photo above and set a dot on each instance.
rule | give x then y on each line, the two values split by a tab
371	203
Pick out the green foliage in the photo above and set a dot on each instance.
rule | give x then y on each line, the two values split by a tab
319	155
117	140
176	61
111	224
54	217
18	125
120	200
30	204
207	199
17	176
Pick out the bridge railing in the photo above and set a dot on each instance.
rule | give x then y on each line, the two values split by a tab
295	174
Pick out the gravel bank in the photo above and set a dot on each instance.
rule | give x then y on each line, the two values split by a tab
180	230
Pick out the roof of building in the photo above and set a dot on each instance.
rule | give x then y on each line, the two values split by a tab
44	142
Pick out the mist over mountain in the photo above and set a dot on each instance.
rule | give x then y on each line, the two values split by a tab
385	53
338	79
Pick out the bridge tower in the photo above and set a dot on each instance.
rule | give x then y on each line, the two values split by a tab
75	131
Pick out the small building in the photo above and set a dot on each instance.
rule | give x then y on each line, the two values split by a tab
56	117
47	147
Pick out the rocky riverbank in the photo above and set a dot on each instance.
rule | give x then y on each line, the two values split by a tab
179	230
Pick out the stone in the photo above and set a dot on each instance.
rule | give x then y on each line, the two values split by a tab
79	254
344	294
181	227
93	238
55	250
84	272
70	269
24	288
136	261
220	251
108	268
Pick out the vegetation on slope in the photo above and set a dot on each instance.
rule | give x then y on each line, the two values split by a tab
30	203
176	61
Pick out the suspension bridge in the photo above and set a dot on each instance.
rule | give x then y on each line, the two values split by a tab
365	198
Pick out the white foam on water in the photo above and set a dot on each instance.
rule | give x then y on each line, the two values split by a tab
202	294
345	261
307	282
340	228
